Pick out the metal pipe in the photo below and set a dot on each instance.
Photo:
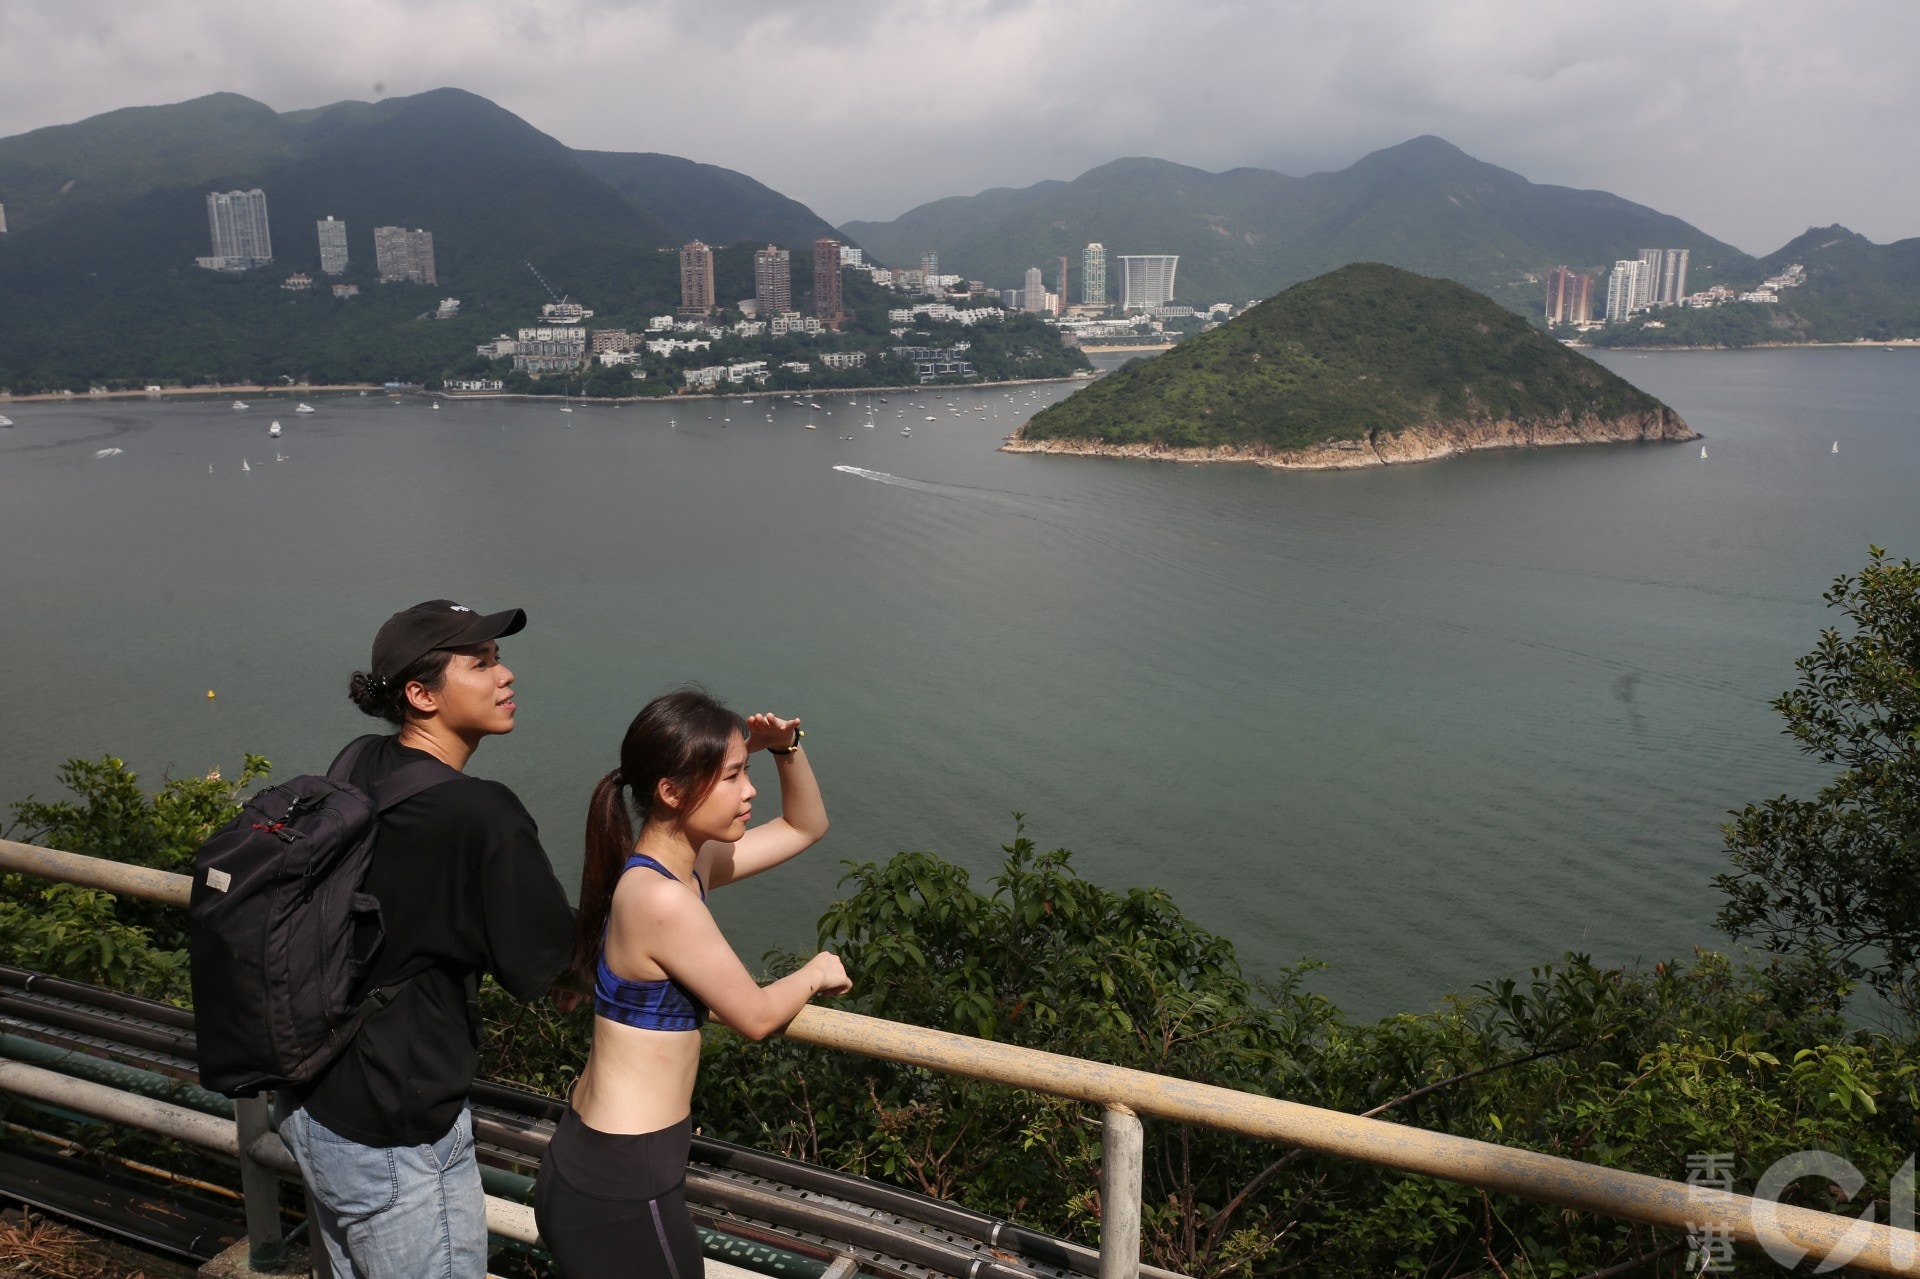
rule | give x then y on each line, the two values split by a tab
259	1187
1122	1159
71	1061
1502	1169
508	1220
96	872
1875	1247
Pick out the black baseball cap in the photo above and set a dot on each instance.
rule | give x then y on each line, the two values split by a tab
412	633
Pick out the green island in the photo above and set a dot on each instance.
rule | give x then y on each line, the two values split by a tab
1646	1067
1363	366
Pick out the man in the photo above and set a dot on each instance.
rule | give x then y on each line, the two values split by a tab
384	1135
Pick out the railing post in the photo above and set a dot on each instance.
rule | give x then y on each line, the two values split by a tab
1122	1154
266	1250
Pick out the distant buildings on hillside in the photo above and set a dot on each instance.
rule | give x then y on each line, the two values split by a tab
1093	275
772	281
400	255
333	246
1146	280
827	300
237	221
1569	296
696	281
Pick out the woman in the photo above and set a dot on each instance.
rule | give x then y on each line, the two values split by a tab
611	1198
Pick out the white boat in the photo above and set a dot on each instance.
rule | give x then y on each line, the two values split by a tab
209	468
1703	450
906	430
566	408
812	427
435	407
274	430
303	408
931	418
279	457
1835	448
6	421
105	453
244	466
239	404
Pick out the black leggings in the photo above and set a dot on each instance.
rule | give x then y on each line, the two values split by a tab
610	1204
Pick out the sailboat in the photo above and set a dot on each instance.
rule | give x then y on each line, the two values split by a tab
1703	450
279	456
1835	448
244	466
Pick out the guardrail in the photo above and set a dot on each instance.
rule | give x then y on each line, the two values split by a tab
1126	1094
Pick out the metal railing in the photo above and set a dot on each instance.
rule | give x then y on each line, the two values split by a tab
1127	1094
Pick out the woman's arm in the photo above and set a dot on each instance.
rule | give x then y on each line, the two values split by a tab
802	820
686	943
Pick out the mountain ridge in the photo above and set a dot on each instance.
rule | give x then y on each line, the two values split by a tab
1424	205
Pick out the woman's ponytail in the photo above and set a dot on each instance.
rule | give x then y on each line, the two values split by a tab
609	840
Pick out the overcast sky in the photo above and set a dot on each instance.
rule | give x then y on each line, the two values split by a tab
1752	119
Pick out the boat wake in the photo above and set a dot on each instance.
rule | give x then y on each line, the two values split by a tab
901	480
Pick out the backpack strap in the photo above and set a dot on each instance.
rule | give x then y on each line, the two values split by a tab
408	780
402	783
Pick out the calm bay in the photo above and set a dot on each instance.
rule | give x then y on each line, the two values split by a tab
1429	724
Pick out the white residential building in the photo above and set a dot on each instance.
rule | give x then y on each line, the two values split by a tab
237	221
844	359
1625	284
671	347
1146	279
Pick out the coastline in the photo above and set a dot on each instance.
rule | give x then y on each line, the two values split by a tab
706	396
1425	443
170	392
1861	344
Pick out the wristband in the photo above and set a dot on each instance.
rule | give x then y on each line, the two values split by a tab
798	733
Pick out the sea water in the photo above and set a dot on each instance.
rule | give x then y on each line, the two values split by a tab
1428	724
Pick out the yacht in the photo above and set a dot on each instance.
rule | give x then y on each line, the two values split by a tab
274	430
240	404
105	453
303	408
6	421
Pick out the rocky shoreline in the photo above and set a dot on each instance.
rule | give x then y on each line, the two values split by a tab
1426	443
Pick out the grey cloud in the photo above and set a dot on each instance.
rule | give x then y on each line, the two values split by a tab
1751	118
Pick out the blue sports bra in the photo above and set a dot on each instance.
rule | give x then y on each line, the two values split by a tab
647	1005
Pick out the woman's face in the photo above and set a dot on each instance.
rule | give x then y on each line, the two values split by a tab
723	813
475	696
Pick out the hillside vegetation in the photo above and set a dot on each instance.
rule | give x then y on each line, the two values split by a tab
1365	349
107	215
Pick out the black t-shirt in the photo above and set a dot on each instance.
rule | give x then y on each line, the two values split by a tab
464	889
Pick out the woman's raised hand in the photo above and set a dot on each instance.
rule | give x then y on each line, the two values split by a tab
830	975
767	729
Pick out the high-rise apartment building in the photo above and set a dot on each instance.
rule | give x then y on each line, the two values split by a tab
1625	283
1649	281
1033	293
1093	275
826	280
696	281
238	222
1063	294
401	255
772	282
1569	296
929	269
1672	285
3	219
333	246
1146	279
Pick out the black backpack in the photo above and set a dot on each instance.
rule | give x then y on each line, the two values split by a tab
274	915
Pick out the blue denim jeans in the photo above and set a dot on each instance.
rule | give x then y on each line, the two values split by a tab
393	1212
